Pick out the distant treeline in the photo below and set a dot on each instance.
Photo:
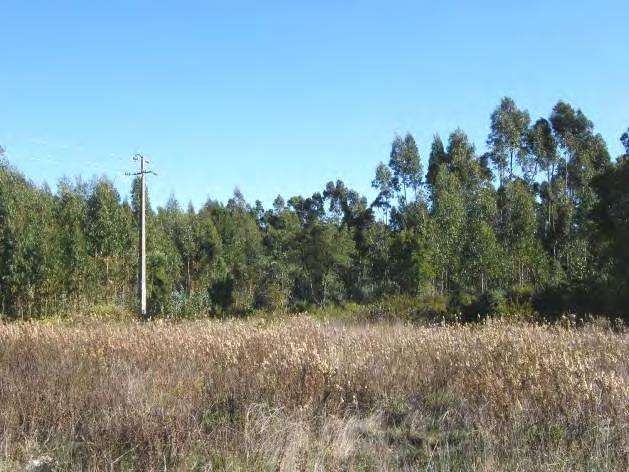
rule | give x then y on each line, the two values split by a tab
539	222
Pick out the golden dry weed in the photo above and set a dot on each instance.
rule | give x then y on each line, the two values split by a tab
302	394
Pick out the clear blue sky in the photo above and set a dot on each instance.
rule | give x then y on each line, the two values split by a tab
282	96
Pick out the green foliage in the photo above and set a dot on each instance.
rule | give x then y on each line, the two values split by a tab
507	138
437	157
430	308
550	236
406	166
624	139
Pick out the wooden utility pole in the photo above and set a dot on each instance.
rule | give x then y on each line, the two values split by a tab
142	233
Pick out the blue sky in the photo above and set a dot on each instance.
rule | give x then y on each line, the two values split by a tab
282	96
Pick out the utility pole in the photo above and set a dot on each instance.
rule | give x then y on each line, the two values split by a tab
142	233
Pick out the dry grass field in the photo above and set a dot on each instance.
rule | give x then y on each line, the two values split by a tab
302	394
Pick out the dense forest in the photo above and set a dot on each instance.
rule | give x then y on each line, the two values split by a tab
538	223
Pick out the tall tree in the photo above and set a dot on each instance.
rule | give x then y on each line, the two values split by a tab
449	213
406	165
482	252
71	210
462	160
517	229
624	139
104	239
611	218
585	156
571	127
506	139
326	255
543	148
383	182
438	156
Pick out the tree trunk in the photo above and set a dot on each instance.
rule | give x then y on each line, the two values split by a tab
521	273
188	286
566	181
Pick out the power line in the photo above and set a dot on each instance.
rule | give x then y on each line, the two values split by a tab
52	151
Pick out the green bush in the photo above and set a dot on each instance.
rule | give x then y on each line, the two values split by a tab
520	299
409	308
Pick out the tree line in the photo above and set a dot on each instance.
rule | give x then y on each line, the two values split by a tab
538	222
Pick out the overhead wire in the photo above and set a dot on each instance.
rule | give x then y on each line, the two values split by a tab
109	165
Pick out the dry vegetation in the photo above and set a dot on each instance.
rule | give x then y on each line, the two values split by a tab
302	394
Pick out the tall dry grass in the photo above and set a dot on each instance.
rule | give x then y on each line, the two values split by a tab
302	394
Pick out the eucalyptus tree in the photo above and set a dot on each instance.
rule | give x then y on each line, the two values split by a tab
309	209
437	157
350	211
105	241
182	229
281	262
611	219
585	156
571	129
518	229
164	263
378	239
509	125
129	236
449	213
326	256
72	220
543	149
383	182
241	247
484	256
406	166
624	139
46	275
462	161
211	274
12	185
412	251
28	257
337	196
279	204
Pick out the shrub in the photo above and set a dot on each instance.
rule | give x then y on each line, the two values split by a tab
405	307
